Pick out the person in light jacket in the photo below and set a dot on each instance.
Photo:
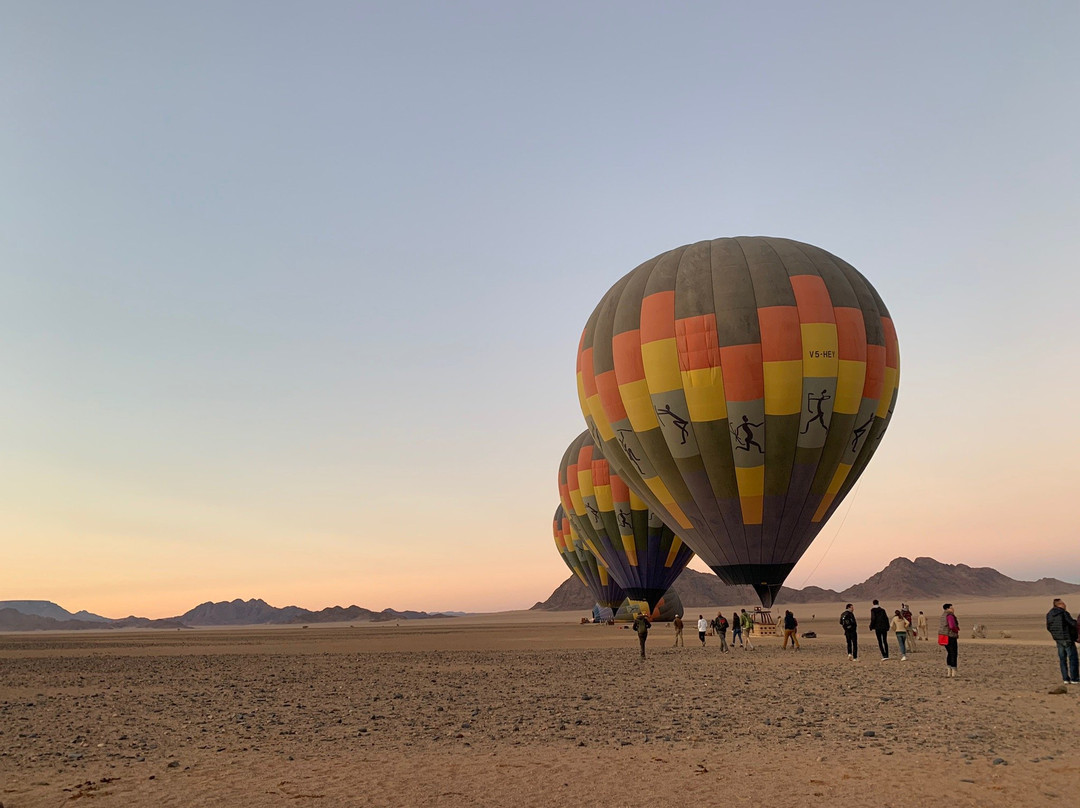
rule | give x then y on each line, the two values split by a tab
900	626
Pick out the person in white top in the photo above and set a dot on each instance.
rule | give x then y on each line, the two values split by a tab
702	627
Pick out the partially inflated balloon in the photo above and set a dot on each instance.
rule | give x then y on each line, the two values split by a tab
640	551
585	566
663	612
739	387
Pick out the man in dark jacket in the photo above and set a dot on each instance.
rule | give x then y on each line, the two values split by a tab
1062	627
851	632
879	624
642	626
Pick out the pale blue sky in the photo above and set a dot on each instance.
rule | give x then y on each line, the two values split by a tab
290	293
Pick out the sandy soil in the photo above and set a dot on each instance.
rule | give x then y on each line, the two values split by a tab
533	709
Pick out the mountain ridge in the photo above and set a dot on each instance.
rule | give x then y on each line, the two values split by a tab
901	578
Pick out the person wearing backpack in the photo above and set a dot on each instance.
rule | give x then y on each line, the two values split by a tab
747	628
736	630
721	625
642	626
851	632
879	624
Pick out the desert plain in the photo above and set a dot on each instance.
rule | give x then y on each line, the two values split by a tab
535	709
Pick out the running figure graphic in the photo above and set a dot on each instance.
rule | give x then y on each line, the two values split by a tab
859	432
676	419
628	449
624	519
811	400
747	429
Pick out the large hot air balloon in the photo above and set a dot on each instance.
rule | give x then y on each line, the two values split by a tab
640	551
584	564
739	387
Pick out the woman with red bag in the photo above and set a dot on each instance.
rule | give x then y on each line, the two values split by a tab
948	633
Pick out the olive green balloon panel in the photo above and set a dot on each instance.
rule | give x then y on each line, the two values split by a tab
585	566
642	553
664	611
740	387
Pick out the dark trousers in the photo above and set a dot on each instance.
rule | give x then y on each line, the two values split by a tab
642	636
852	638
883	641
950	653
1067	657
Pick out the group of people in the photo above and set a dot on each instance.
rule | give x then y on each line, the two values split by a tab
905	629
1061	625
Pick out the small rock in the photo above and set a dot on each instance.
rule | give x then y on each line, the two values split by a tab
1059	690
173	764
869	734
999	762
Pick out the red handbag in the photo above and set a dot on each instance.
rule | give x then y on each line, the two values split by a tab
942	639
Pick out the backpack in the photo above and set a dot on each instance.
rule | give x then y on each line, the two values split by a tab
847	620
723	623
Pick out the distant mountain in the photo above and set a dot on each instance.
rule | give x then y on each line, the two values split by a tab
258	612
921	578
42	615
925	577
46	608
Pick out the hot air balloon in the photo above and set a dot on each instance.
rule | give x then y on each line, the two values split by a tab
585	566
664	611
739	387
642	553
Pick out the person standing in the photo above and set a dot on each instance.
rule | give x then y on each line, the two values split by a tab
1062	627
851	632
721	625
678	624
900	626
747	627
923	631
949	626
702	627
791	629
736	630
641	626
879	624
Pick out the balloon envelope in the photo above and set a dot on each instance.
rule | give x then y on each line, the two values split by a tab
642	553
585	566
739	387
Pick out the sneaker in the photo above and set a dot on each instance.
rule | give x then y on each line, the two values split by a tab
903	659
1075	682
886	659
849	656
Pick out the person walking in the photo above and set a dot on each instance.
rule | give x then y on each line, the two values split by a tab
721	626
702	627
920	627
900	626
678	624
747	628
879	624
641	626
1062	627
736	630
949	627
851	632
791	629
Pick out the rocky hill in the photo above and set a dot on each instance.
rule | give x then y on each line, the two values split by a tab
925	577
901	579
44	615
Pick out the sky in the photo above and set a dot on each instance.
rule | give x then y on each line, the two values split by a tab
290	294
